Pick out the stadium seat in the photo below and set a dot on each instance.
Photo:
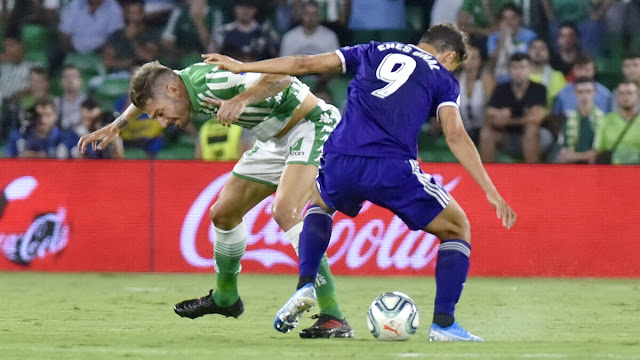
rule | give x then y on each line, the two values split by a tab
38	57
89	64
614	46
609	73
35	37
110	90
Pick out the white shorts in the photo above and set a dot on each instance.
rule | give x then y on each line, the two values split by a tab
265	162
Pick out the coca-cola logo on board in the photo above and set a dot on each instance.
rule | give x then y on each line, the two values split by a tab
47	233
385	240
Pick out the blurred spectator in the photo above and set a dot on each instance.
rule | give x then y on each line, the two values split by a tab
283	14
567	48
511	38
40	138
619	132
334	14
631	21
631	72
85	25
381	20
245	35
157	11
135	42
217	142
93	119
447	11
14	80
476	86
189	29
68	104
478	18
587	17
309	38
533	16
29	12
514	116
38	88
566	100
542	72
14	69
578	132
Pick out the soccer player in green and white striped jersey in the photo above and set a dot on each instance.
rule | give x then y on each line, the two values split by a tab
290	125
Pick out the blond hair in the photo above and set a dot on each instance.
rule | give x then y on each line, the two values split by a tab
144	82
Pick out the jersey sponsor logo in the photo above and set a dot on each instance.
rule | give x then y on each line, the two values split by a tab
296	149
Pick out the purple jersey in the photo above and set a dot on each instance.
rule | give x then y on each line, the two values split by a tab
397	87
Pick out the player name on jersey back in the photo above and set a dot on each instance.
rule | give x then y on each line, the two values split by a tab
428	58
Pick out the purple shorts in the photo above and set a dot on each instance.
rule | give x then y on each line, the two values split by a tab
346	181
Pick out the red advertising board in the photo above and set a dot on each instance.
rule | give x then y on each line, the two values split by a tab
153	216
75	215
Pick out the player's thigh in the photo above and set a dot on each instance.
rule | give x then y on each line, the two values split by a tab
451	223
402	187
294	191
237	197
340	183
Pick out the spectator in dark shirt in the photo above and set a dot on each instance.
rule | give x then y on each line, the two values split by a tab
40	138
134	42
245	35
514	116
189	29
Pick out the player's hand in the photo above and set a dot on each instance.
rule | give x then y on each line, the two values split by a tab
503	210
229	110
99	139
591	156
224	62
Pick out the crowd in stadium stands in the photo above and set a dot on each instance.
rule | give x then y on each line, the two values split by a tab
546	80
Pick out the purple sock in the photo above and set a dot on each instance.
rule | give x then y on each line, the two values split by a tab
314	241
452	267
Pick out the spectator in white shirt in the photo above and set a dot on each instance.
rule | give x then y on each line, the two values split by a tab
309	38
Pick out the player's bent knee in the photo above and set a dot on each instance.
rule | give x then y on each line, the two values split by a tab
222	217
286	214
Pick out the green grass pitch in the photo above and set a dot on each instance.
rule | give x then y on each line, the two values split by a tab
130	316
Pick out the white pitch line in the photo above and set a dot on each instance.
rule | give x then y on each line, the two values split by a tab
511	356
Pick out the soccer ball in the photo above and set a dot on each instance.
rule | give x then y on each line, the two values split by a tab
393	316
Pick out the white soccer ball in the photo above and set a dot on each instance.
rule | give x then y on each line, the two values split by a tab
393	316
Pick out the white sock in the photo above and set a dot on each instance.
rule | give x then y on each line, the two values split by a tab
294	235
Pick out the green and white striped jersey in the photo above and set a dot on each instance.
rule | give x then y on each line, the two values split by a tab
265	118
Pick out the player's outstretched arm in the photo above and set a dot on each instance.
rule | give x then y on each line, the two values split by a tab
291	65
465	151
102	137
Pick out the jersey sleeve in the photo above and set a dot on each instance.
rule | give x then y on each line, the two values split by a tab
449	95
225	85
351	56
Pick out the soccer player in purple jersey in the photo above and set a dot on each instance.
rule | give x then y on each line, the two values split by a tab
371	155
